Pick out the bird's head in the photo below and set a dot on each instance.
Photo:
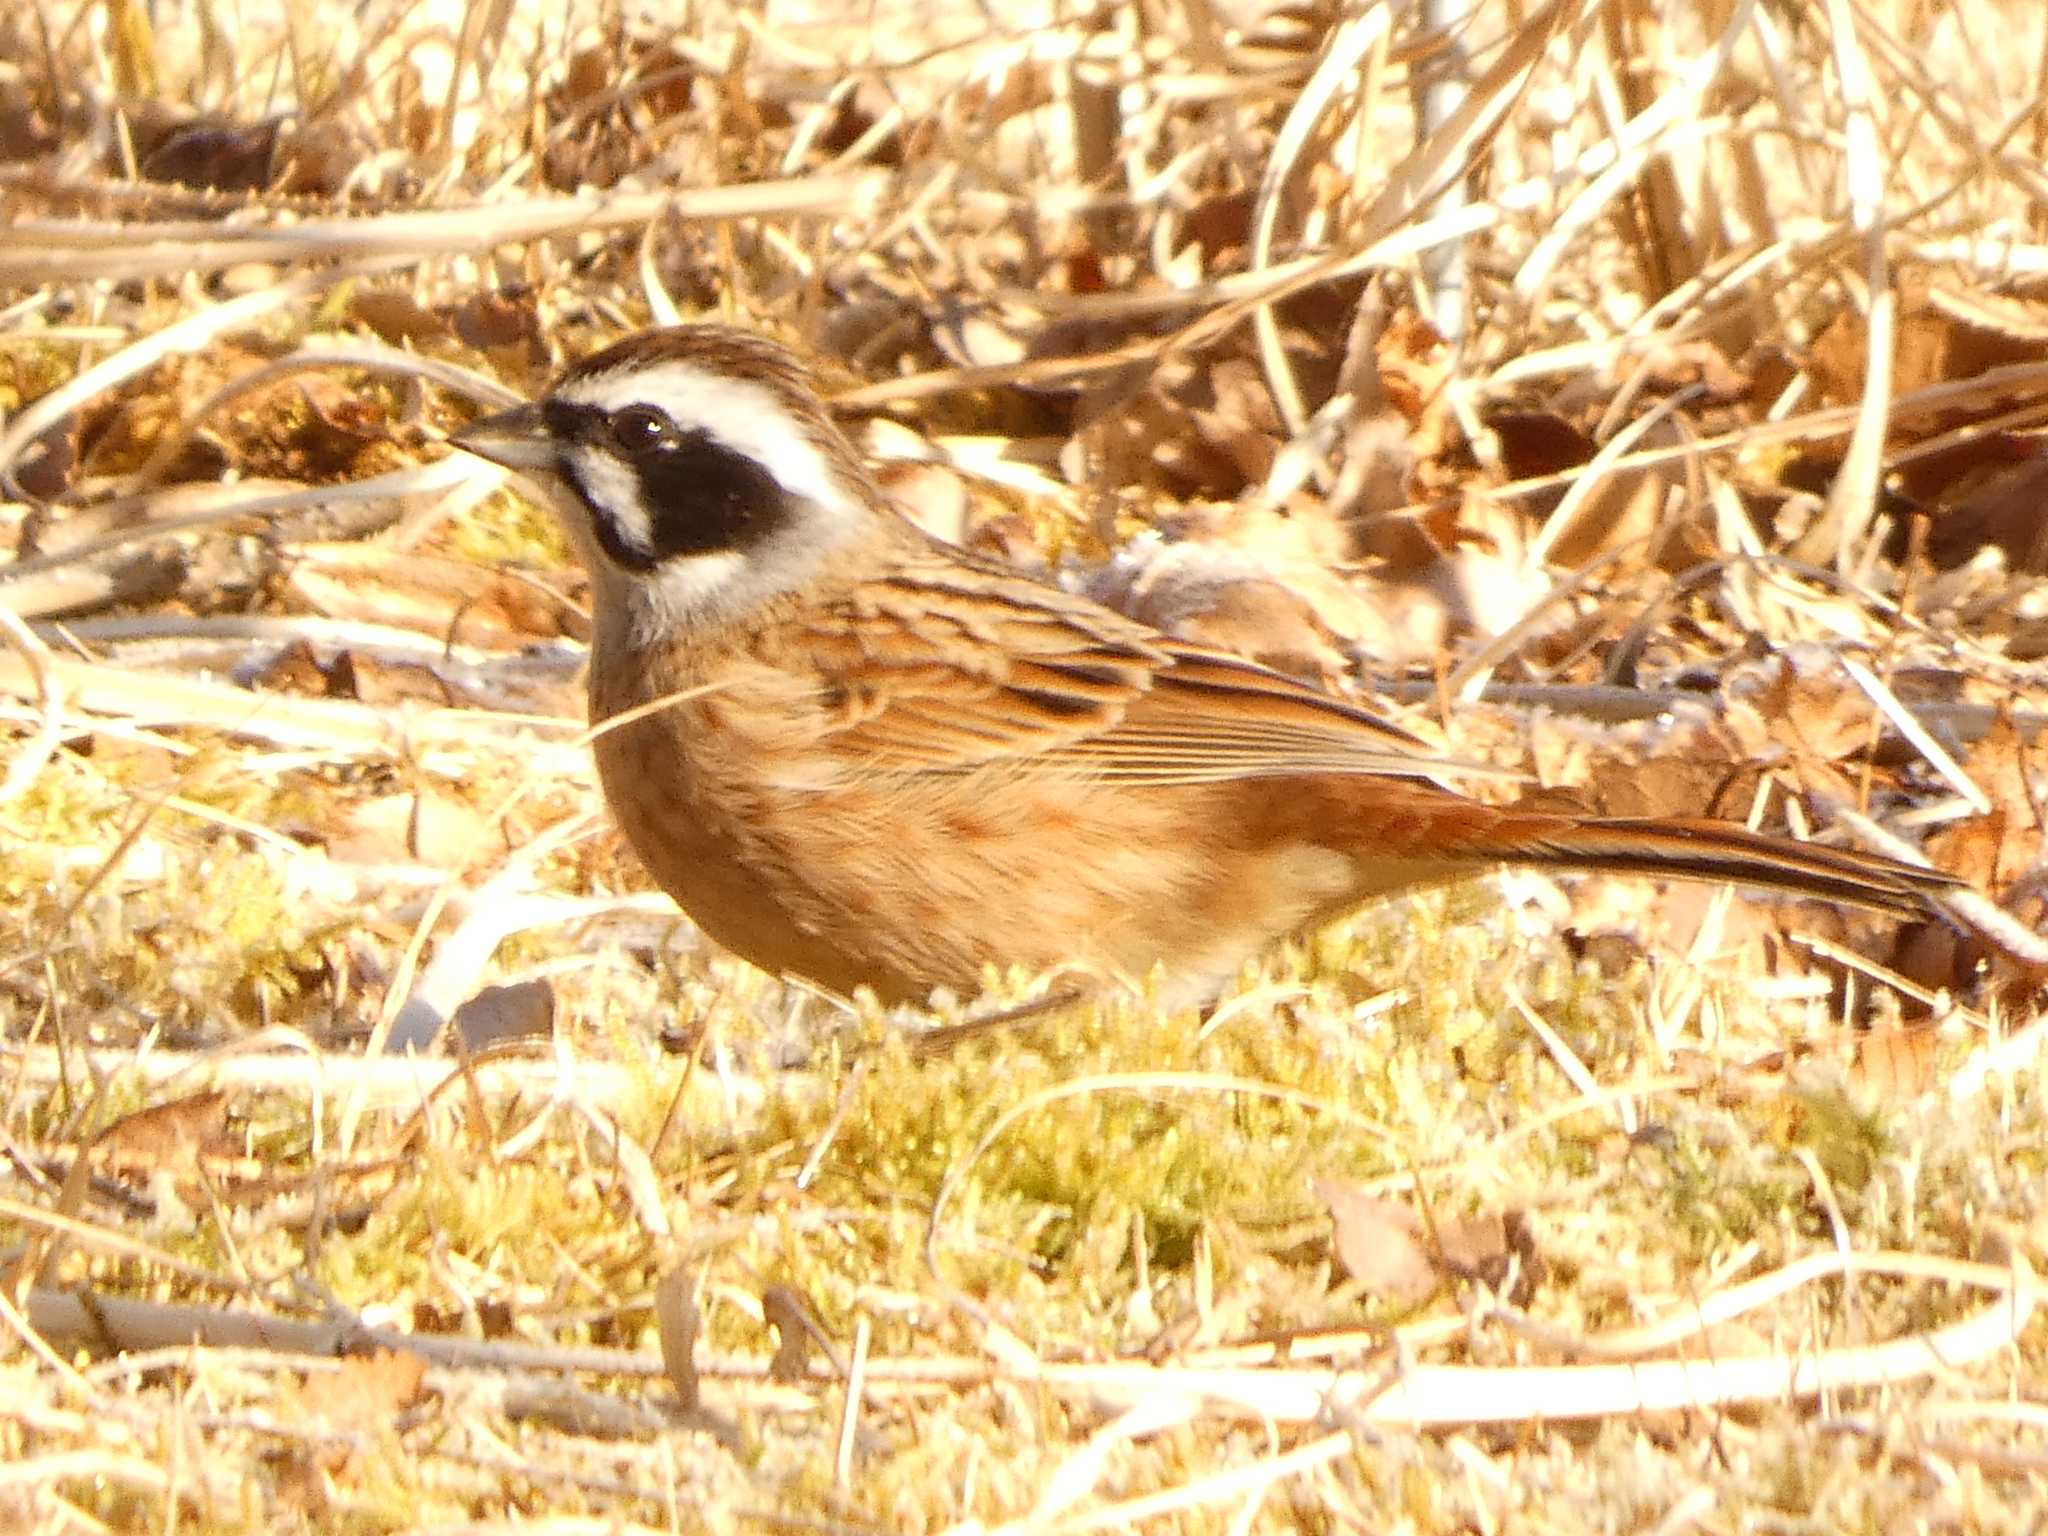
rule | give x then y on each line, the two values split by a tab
696	469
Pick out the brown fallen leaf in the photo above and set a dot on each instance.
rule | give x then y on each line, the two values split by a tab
1934	346
362	676
324	156
1627	507
1386	1247
373	679
1380	1244
1699	364
1199	428
1894	1063
1798	708
1218	228
394	315
367	1390
519	1010
296	668
1995	852
216	154
505	326
931	495
1491	1248
179	1132
2004	514
434	596
1477	569
425	828
783	1310
678	1323
361	1396
1218	596
44	466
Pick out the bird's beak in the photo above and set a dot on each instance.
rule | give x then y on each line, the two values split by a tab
517	439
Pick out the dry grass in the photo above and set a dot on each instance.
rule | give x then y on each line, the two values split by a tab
1723	493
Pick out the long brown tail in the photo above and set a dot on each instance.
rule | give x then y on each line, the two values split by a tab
1405	832
1720	850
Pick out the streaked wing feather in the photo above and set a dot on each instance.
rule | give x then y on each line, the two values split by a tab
944	668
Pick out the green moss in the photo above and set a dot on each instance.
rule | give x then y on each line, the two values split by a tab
1848	1140
506	529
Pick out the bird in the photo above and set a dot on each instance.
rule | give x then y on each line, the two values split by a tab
859	755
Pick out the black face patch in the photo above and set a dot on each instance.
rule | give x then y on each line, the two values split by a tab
698	496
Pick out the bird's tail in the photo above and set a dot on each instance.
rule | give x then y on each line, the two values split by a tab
1720	850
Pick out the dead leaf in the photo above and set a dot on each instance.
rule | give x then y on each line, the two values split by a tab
364	1394
360	1397
296	668
677	1323
424	828
1082	267
1414	364
1536	444
216	154
1215	595
855	113
598	131
1994	850
367	677
1625	507
1392	1254
1479	573
784	1311
1374	477
1798	703
1894	1063
180	1132
1947	476
1974	849
1380	1243
28	128
2003	514
1698	364
1650	508
1935	345
435	596
323	156
371	678
1218	227
492	322
1697	771
1203	428
1490	1249
394	315
993	98
44	469
520	1010
930	495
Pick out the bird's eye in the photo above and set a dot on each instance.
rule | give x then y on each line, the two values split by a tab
639	428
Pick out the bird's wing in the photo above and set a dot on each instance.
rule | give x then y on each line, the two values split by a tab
943	667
